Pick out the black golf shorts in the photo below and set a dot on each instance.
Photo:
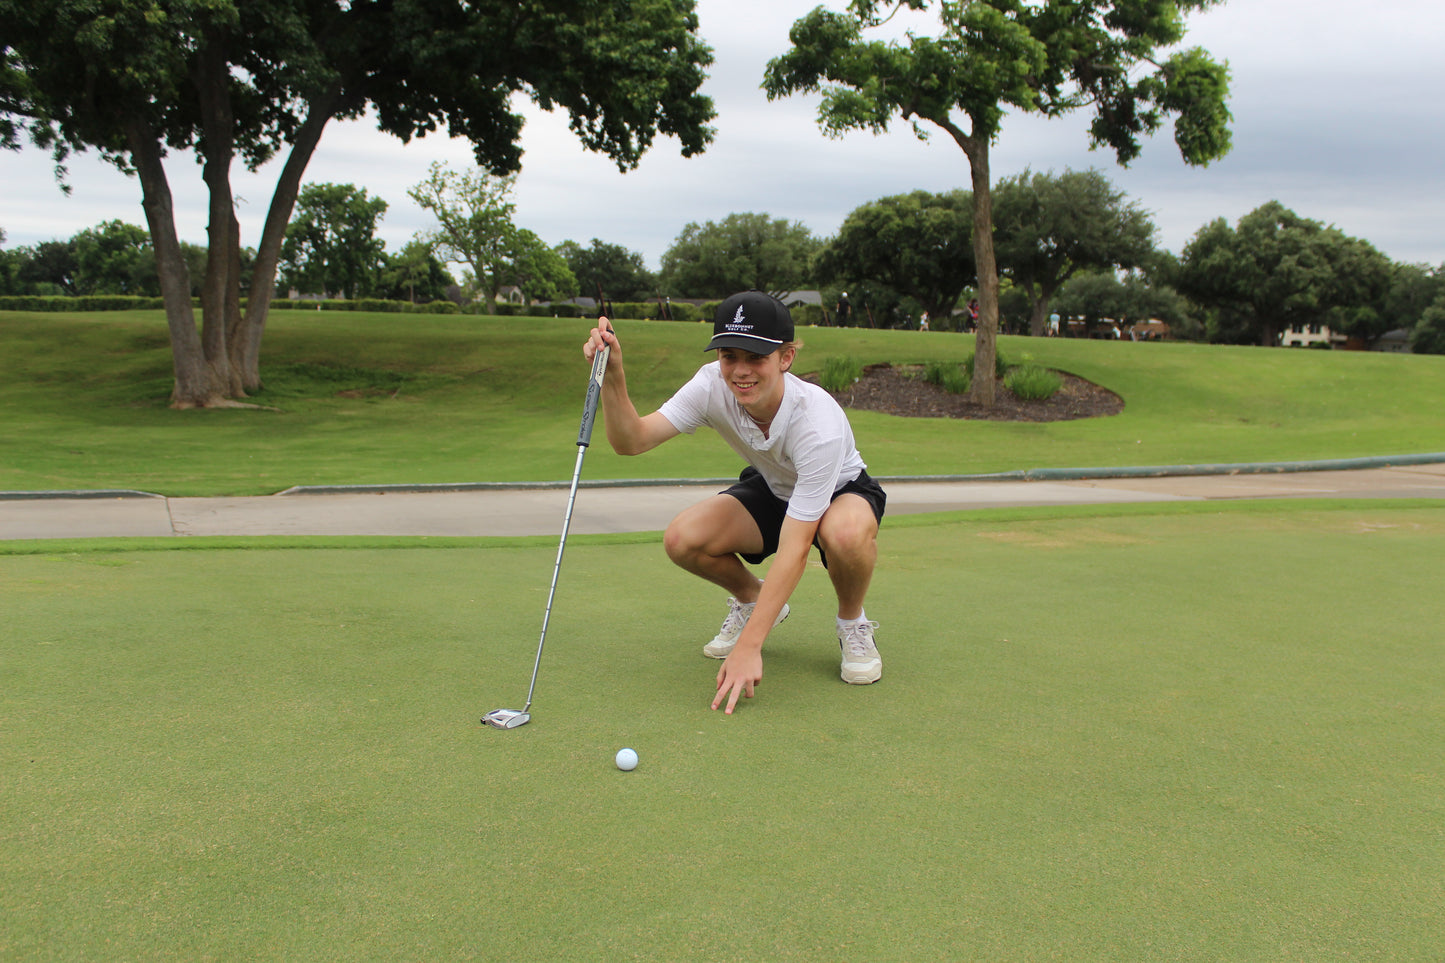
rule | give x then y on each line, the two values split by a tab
768	510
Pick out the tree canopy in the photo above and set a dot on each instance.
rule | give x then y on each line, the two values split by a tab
413	274
918	244
1047	228
539	271
134	79
1093	296
1275	269
740	252
331	245
1427	336
1049	57
608	269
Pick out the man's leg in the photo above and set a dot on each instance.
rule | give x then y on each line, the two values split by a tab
848	534
706	540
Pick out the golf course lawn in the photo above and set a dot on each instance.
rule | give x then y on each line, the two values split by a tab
377	399
1199	732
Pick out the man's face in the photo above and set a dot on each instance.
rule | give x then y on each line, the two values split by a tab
756	380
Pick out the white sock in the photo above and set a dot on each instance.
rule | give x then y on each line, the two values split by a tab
845	623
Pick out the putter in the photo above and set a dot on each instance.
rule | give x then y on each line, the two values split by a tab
512	718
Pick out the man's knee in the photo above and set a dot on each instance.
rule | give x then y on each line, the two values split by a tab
680	539
718	526
848	529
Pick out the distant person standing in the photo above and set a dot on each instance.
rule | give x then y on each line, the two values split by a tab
973	315
923	321
845	309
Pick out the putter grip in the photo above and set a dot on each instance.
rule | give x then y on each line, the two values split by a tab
594	394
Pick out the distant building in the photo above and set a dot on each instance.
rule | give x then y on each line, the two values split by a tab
1309	335
794	299
1394	342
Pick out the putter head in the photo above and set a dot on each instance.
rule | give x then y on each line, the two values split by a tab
507	718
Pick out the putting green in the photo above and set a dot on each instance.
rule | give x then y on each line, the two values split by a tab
1197	732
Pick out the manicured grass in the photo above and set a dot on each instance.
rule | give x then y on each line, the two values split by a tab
392	399
1193	732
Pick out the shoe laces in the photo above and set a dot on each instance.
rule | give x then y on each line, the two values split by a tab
858	638
737	619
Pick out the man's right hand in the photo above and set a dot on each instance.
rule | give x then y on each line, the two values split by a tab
600	335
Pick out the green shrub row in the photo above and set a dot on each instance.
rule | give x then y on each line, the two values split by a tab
94	302
804	315
117	302
652	311
625	310
363	304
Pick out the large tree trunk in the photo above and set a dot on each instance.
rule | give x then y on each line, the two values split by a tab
245	341
211	78
193	385
1038	309
233	304
985	350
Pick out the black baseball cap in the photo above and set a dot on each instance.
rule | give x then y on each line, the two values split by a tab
753	321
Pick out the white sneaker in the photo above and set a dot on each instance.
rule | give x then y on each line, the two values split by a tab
732	627
861	664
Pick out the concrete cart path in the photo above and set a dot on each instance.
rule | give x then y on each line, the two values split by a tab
503	511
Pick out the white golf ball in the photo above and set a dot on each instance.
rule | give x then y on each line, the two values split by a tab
626	760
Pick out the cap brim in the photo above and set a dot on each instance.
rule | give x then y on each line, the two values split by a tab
746	342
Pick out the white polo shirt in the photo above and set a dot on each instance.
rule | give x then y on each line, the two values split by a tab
808	453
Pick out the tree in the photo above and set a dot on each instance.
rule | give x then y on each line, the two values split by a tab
1416	302
1048	57
1048	228
48	268
9	268
413	273
1428	337
474	216
115	258
918	244
1413	289
331	246
618	273
738	253
1275	270
134	79
541	272
1092	296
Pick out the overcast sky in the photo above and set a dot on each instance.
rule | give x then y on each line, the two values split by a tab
1337	114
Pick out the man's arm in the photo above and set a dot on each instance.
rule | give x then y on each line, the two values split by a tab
743	668
627	431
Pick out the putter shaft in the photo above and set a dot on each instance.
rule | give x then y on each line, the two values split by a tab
511	718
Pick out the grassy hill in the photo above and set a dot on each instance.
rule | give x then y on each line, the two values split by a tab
384	398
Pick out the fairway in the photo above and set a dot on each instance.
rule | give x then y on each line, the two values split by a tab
1194	732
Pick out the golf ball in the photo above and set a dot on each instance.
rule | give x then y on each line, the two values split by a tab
626	760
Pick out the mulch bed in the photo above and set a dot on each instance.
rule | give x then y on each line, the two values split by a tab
902	391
